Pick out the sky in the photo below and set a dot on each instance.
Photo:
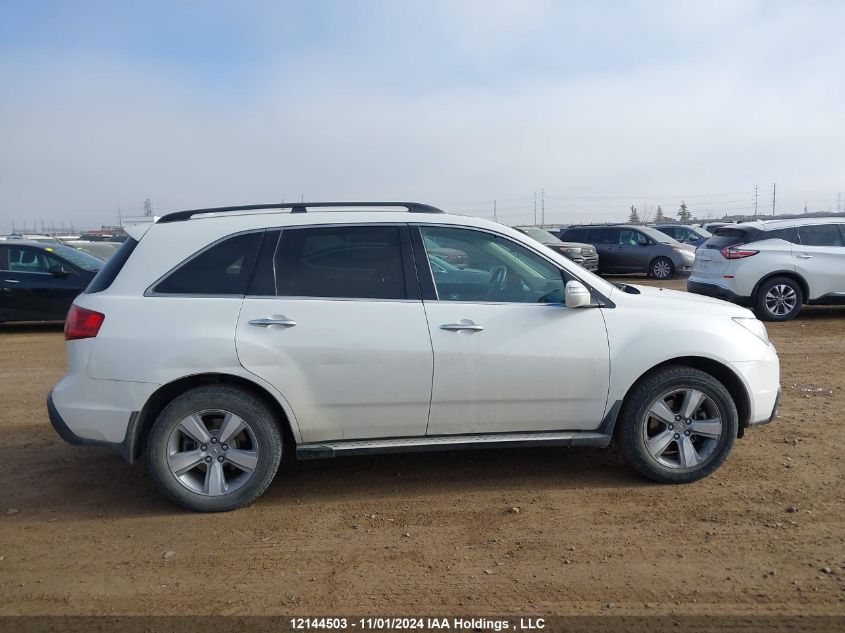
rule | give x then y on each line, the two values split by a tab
594	106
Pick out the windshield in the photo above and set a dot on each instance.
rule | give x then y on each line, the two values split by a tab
701	232
79	259
657	236
539	234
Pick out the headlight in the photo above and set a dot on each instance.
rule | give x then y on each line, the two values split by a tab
570	251
754	326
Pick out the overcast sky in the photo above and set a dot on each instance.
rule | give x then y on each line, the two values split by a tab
602	104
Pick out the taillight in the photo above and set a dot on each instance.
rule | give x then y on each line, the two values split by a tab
735	252
82	323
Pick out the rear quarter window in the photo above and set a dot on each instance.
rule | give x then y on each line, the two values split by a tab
225	268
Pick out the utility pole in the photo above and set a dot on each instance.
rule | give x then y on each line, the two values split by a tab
495	218
542	207
535	208
774	197
839	203
755	201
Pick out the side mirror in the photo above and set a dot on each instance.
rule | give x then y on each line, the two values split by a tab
577	295
57	271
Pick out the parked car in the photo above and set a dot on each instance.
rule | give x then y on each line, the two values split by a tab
625	248
776	266
44	239
582	254
224	339
692	235
101	250
39	281
711	227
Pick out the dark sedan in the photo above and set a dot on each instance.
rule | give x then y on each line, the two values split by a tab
38	282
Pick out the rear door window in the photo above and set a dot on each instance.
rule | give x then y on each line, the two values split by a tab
353	262
575	235
603	236
225	268
820	235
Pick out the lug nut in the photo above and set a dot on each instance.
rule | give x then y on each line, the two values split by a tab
207	460
225	447
686	432
214	440
671	427
677	418
220	459
203	448
677	436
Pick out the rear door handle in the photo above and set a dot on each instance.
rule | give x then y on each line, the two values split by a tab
458	327
12	281
273	321
804	256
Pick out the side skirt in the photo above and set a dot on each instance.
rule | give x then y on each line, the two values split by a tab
318	450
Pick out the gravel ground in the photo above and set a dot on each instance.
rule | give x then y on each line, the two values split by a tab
520	531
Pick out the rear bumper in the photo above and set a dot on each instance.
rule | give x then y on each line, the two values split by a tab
127	448
715	291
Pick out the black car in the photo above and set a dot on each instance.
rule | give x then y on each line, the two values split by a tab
38	282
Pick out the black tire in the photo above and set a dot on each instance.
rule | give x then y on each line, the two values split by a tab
661	268
634	416
263	432
778	299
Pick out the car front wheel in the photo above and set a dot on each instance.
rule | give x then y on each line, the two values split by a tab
677	425
214	448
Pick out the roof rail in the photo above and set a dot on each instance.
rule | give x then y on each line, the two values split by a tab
298	207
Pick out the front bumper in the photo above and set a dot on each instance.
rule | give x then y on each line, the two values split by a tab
774	414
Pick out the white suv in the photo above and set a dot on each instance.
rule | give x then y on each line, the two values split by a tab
216	340
775	266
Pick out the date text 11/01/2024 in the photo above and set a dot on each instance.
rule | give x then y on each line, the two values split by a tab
420	623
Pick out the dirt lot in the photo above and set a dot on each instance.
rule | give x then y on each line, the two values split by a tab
81	532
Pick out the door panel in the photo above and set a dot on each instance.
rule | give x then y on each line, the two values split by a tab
349	369
820	259
532	368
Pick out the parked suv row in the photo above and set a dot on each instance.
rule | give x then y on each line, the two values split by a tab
634	249
216	340
775	266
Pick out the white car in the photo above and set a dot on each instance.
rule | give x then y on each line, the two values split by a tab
217	340
775	266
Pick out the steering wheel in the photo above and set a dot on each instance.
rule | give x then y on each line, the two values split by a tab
498	280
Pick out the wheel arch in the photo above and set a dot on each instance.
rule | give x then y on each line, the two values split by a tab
791	274
721	372
166	393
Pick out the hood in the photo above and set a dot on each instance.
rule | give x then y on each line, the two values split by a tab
586	247
684	301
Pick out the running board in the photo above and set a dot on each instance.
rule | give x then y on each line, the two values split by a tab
318	450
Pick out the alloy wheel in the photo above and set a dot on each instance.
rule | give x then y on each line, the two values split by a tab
682	428
781	299
212	452
662	269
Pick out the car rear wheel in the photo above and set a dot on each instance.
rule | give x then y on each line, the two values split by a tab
678	425
662	268
214	448
778	299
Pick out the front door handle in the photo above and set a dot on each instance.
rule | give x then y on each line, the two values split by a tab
804	256
273	321
12	281
462	325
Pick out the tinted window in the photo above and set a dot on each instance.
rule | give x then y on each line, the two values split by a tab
108	273
603	236
223	269
779	234
496	269
574	235
820	235
731	237
360	262
78	258
671	231
628	237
